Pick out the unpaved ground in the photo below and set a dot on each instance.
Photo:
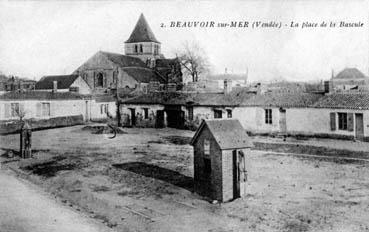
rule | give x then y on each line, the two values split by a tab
142	181
23	208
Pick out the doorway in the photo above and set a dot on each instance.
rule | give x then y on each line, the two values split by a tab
159	119
133	116
282	121
359	126
236	176
175	117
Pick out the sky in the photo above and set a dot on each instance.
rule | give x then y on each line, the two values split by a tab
40	38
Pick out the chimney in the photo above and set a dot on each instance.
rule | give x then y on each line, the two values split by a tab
227	86
55	86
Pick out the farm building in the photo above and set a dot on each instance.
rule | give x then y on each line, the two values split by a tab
220	159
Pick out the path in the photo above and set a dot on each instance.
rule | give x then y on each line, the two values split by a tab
25	208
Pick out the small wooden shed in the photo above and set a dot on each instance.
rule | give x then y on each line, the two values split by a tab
220	150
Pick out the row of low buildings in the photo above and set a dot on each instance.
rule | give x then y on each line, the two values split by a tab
336	115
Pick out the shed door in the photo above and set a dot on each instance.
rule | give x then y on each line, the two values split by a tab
236	176
359	126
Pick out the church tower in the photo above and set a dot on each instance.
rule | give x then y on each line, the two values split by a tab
142	42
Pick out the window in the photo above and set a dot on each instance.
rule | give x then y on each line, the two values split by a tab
115	77
229	113
141	48
217	114
45	109
136	48
85	76
146	113
14	109
100	80
268	116
206	148
190	113
342	121
156	49
104	108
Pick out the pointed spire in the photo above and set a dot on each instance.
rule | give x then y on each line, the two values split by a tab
142	32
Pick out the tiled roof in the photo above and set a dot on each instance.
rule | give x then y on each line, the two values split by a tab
124	61
143	75
350	73
228	133
42	95
344	101
195	99
64	81
272	99
142	32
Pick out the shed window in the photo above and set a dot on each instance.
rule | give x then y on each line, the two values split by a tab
217	114
14	109
45	109
146	113
342	121
207	148
190	113
268	116
229	113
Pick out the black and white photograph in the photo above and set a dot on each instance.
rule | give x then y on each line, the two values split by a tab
182	116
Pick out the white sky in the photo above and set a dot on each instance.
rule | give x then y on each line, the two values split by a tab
45	38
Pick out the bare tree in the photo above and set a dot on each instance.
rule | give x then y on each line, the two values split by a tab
194	60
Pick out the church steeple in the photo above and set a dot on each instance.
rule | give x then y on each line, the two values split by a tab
142	42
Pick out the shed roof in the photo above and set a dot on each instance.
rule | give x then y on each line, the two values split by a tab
142	32
344	101
64	81
228	133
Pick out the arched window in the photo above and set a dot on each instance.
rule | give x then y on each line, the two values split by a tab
141	48
99	80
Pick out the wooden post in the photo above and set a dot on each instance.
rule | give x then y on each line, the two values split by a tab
26	141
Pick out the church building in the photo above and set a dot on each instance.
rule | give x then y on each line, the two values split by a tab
141	65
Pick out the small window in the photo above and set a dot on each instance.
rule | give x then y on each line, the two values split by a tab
217	114
146	113
190	113
141	48
229	113
136	48
268	116
206	148
45	109
14	109
342	121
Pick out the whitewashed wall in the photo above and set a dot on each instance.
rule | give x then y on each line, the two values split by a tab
253	119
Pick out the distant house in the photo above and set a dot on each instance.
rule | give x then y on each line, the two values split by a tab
350	79
236	80
63	83
221	149
17	84
43	105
